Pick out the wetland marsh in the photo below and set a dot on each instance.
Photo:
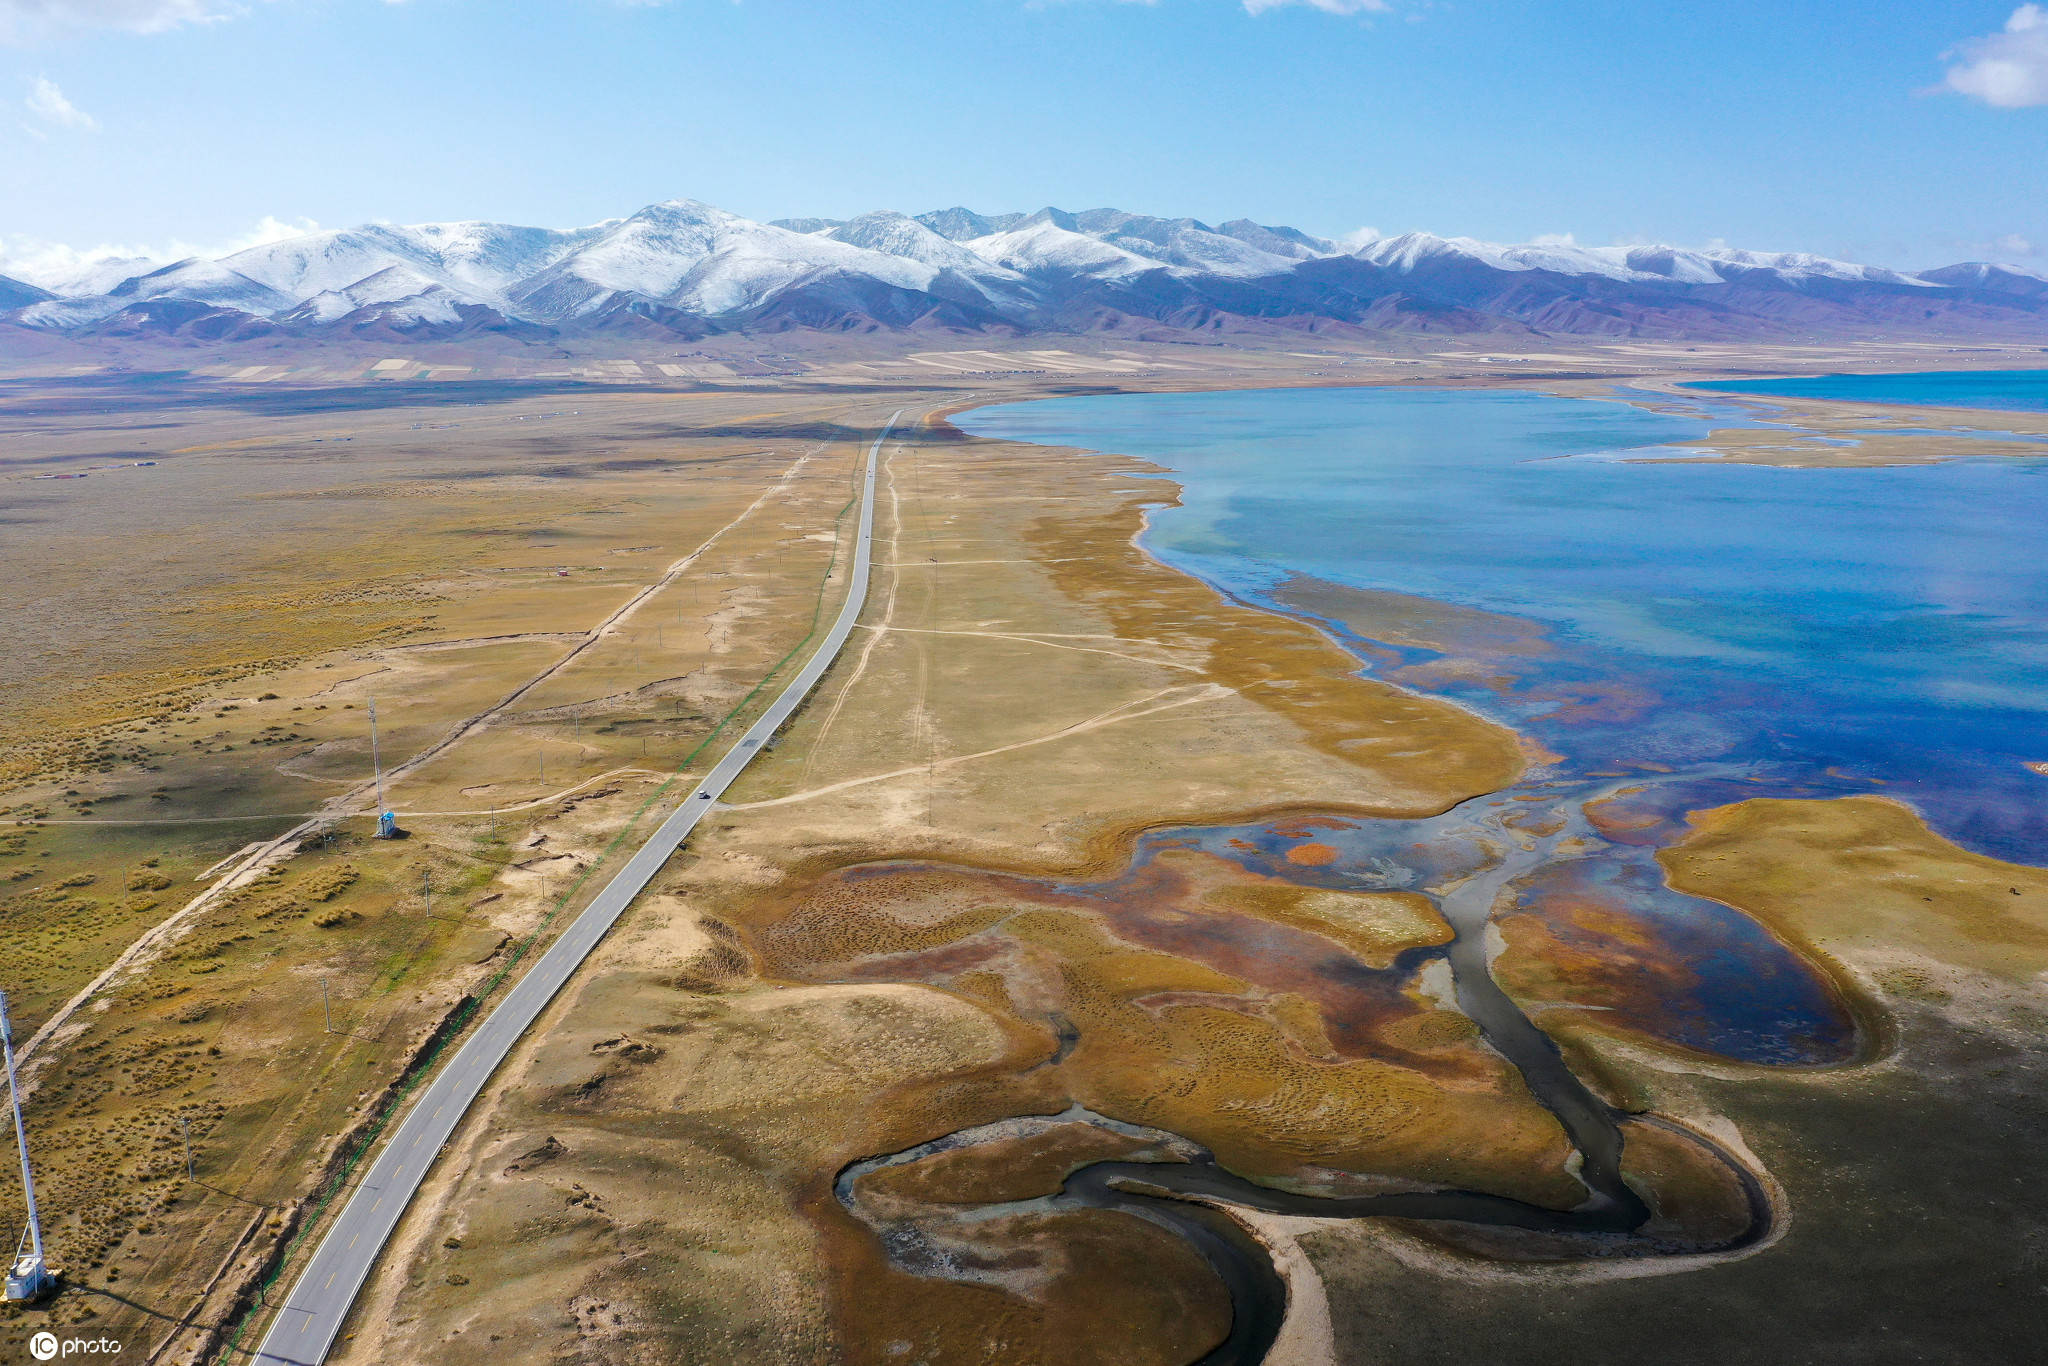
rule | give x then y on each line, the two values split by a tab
1672	637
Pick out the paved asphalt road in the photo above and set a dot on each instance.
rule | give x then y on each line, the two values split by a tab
305	1326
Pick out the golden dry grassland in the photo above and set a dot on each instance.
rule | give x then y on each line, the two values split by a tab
562	634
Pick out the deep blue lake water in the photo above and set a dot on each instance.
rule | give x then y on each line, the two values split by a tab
2024	391
1809	630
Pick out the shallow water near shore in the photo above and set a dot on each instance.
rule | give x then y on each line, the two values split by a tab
2018	391
1752	630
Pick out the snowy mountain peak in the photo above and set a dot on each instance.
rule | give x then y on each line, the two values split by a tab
85	278
895	234
1041	245
961	225
392	285
20	293
1987	276
692	267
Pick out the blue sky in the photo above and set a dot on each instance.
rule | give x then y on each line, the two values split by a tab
1903	134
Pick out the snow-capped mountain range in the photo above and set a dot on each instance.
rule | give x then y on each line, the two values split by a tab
685	269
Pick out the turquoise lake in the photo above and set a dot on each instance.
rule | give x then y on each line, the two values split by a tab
2021	391
1739	629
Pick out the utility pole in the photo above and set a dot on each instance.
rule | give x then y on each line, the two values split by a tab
27	1277
186	1125
325	1012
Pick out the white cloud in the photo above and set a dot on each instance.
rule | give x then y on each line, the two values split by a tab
2006	246
23	20
268	229
1554	239
48	104
53	265
1359	237
2008	70
1326	6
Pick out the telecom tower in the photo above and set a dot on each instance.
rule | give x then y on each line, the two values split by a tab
387	821
28	1276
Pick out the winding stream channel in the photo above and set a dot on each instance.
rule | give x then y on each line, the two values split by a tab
1468	862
